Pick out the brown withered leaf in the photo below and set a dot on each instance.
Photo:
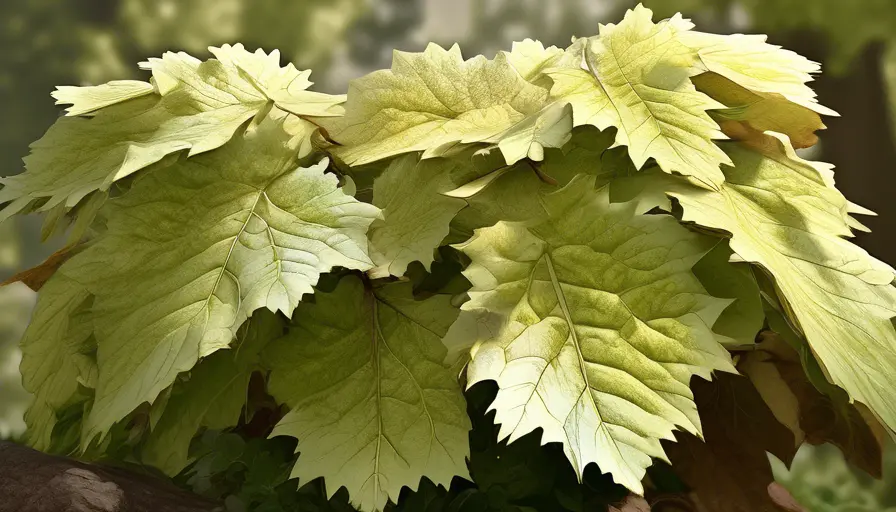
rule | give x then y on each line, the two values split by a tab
782	497
672	502
822	418
36	277
632	503
730	472
774	390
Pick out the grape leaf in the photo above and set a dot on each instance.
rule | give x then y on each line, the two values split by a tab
198	107
285	86
604	326
530	58
514	193
193	249
415	213
56	354
761	83
758	112
432	101
85	100
372	405
635	76
549	128
213	397
783	214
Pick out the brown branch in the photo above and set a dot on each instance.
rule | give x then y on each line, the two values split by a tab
31	481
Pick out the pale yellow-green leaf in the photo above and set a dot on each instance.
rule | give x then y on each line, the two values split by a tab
431	101
784	215
604	326
84	100
530	58
752	63
761	84
198	106
635	77
372	405
415	213
285	86
761	113
550	128
56	352
190	251
514	193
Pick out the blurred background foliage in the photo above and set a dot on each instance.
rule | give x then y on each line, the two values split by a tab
84	42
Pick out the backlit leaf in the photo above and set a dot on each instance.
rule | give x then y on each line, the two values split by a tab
783	214
84	100
604	326
761	83
197	107
432	101
635	77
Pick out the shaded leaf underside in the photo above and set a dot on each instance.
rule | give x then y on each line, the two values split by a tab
373	407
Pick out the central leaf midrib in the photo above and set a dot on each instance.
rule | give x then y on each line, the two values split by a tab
377	338
375	360
432	426
564	307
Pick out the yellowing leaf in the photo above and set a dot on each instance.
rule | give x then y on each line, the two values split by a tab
193	249
432	101
636	77
604	326
373	407
783	215
84	100
285	86
761	84
761	113
198	107
765	69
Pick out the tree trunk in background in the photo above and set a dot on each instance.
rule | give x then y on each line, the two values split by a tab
861	143
31	481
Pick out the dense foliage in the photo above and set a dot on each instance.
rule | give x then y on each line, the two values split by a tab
415	285
15	303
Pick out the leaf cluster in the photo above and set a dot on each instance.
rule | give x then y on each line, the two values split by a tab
558	279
